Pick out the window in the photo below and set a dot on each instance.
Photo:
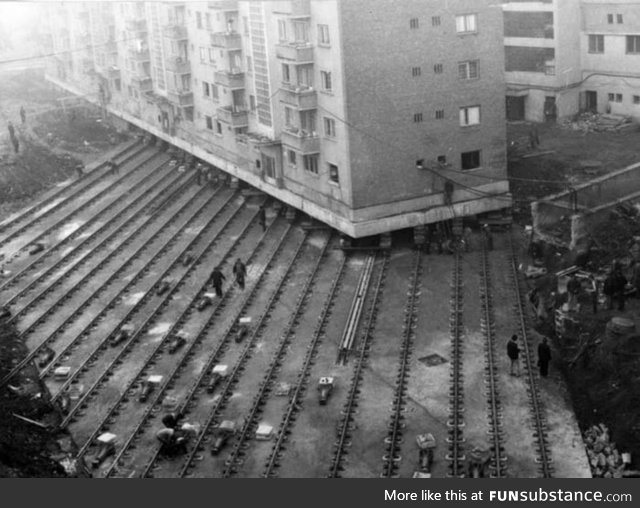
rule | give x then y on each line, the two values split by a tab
633	44
212	58
219	127
209	122
206	90
417	117
301	31
435	21
619	18
469	115
437	68
636	99
252	102
291	157
286	73
282	30
439	114
323	35
618	97
470	160
413	23
203	55
288	117
610	18
214	92
468	70
308	122
245	24
333	173
467	23
249	65
325	80
615	97
596	44
329	127
199	19
416	71
311	163
442	159
269	165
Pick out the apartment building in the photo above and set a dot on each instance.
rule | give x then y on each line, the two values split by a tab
567	56
368	115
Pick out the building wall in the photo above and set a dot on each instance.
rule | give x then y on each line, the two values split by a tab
383	96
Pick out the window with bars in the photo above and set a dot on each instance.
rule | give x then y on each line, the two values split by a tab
438	68
619	18
633	44
414	23
435	21
467	23
416	71
439	114
596	43
311	163
469	69
417	117
469	115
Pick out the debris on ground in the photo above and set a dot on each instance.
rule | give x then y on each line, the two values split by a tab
604	458
595	122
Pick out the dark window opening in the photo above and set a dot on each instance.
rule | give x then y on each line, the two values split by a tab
470	160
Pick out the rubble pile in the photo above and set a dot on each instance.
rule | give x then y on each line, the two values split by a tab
604	458
594	122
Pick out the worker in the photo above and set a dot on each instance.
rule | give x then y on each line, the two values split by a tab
12	130
173	441
23	115
619	287
593	290
170	420
513	352
240	271
216	278
114	169
544	357
262	218
200	176
16	144
80	170
573	290
488	237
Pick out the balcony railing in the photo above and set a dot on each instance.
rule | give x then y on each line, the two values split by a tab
295	52
233	116
141	55
180	97
229	79
302	141
227	40
142	83
177	64
175	32
299	97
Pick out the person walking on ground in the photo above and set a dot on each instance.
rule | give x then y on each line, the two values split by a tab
573	289
16	144
513	352
23	115
240	271
114	169
12	130
262	218
80	170
486	231
216	278
544	357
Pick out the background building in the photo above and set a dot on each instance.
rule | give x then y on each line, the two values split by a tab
369	115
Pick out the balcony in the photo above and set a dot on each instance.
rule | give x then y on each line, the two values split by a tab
175	32
139	56
224	5
177	64
299	97
301	141
180	97
229	79
298	53
227	40
233	116
142	83
136	25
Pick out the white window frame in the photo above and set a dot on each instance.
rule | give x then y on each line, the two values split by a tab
329	127
596	48
469	116
467	23
465	67
308	167
323	35
332	180
326	79
282	30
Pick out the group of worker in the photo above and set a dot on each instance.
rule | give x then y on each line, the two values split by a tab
449	242
217	278
544	356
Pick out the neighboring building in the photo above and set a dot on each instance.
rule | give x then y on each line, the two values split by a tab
567	56
357	112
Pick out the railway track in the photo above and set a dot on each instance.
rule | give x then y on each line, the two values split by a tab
57	197
223	395
151	314
72	199
394	437
154	357
347	416
200	341
137	200
455	423
536	406
495	432
250	421
114	277
302	381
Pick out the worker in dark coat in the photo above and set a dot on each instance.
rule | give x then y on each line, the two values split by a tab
544	357
513	352
80	170
488	237
619	286
12	130
573	288
216	278
240	271
200	176
114	169
23	115
262	218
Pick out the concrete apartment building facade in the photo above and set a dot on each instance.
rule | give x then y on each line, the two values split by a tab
368	115
563	57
